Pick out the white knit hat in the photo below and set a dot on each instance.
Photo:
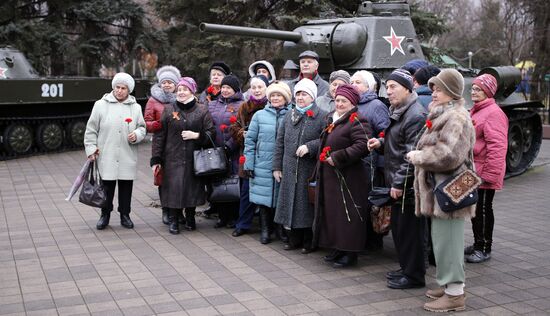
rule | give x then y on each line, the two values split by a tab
308	86
168	73
125	79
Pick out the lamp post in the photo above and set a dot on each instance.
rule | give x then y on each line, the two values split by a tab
470	54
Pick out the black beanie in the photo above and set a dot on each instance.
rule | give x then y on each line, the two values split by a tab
233	82
402	77
424	74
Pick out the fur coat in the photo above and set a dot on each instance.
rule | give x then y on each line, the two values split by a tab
441	150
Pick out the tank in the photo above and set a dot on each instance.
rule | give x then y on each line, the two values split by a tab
39	114
380	38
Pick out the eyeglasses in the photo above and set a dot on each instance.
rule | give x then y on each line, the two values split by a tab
476	89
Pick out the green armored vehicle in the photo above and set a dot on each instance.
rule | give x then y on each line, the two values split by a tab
40	114
380	38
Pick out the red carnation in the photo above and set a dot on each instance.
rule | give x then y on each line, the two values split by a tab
353	117
326	149
223	127
323	157
128	120
242	160
233	119
428	124
309	113
382	134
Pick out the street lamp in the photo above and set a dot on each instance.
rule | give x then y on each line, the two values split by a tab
470	54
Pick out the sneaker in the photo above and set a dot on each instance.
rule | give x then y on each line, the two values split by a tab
469	250
436	293
478	256
447	303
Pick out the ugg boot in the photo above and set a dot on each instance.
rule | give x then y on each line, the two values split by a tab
190	219
435	293
103	220
264	225
174	226
165	216
447	303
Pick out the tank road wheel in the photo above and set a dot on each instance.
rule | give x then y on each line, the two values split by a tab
49	136
75	133
17	139
515	147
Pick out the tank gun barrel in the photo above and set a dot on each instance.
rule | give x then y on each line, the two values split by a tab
251	31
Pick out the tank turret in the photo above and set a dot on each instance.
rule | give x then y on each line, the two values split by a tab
380	38
40	114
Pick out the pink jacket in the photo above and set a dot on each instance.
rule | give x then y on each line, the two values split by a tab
491	144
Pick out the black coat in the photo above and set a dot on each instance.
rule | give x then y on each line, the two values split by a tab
180	187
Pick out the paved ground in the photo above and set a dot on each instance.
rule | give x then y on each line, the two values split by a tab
54	262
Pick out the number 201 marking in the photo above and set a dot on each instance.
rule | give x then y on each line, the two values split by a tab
52	90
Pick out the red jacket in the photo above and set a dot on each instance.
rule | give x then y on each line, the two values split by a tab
491	126
154	108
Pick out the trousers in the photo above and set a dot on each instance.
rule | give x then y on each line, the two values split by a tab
484	222
124	195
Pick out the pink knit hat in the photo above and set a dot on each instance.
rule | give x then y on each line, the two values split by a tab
189	83
349	92
487	83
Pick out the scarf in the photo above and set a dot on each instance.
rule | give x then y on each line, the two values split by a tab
258	102
304	109
312	76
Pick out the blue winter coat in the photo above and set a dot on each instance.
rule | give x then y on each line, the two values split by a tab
259	147
378	116
424	95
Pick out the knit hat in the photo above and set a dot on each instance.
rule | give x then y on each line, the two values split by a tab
262	64
261	78
449	80
413	65
402	77
189	83
424	74
487	83
308	86
221	66
340	75
125	79
280	87
349	92
233	82
168	73
367	78
309	54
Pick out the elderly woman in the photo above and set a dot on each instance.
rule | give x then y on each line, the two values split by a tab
337	78
294	161
224	110
162	94
444	148
238	130
187	126
218	70
340	218
491	126
114	128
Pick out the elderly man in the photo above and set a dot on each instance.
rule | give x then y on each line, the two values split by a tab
407	117
309	63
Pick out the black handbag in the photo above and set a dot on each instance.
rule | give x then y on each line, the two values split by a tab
93	192
225	190
210	161
458	191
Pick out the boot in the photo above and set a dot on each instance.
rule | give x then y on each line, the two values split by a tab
103	220
181	217
190	219
281	233
174	226
447	303
333	256
125	221
347	260
165	216
435	293
295	239
264	226
308	241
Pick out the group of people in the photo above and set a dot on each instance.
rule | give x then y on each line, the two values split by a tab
339	139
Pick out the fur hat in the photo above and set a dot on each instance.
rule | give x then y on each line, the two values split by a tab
349	92
189	83
262	64
221	66
367	78
280	87
339	75
125	79
168	73
424	74
413	65
449	80
308	86
309	54
402	77
260	78
233	82
487	83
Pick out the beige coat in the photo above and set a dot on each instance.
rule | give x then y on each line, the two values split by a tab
442	149
108	131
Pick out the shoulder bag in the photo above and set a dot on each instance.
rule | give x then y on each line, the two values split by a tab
93	192
209	161
225	190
